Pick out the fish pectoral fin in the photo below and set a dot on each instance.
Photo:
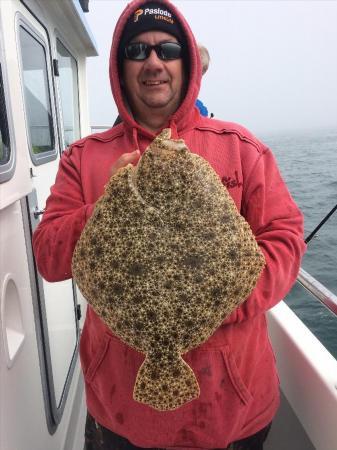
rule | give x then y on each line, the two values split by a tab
167	386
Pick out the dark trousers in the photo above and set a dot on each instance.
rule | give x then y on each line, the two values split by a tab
99	438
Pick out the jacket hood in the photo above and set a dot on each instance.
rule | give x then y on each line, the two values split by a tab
182	116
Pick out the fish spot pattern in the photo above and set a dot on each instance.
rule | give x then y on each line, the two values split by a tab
163	260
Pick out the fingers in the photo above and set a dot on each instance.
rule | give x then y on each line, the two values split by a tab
124	160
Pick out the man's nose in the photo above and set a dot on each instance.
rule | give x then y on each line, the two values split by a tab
153	61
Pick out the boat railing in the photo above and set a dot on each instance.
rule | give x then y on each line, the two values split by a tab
99	128
318	290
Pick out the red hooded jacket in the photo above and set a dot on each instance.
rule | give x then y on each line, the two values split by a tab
235	368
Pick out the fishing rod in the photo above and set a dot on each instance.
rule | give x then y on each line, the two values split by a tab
319	226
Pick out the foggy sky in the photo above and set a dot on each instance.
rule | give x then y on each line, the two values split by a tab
273	63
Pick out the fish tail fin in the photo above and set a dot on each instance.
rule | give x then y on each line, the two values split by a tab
165	387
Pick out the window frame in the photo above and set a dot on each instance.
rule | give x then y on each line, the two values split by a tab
58	37
8	168
51	155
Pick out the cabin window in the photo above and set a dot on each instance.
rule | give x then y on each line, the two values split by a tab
6	157
68	86
4	149
5	153
37	98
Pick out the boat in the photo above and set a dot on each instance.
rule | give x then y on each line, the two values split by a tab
44	46
43	107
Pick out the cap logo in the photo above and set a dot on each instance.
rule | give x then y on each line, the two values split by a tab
159	14
138	13
157	11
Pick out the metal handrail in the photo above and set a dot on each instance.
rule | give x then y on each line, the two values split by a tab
326	297
100	127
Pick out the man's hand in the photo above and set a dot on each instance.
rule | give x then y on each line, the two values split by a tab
124	160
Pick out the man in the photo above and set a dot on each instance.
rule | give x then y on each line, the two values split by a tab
155	73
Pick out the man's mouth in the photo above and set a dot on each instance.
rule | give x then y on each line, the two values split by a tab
154	82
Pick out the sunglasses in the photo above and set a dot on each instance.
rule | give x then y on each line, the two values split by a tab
166	51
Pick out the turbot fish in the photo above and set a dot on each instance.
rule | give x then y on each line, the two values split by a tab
164	259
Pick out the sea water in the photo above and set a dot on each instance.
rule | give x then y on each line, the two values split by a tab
308	164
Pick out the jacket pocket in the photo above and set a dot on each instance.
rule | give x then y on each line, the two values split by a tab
98	358
224	401
234	376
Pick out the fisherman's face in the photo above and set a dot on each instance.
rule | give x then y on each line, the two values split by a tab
153	85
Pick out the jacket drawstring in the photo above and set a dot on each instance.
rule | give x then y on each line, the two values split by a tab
135	138
174	129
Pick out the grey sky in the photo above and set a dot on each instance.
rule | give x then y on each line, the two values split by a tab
273	63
